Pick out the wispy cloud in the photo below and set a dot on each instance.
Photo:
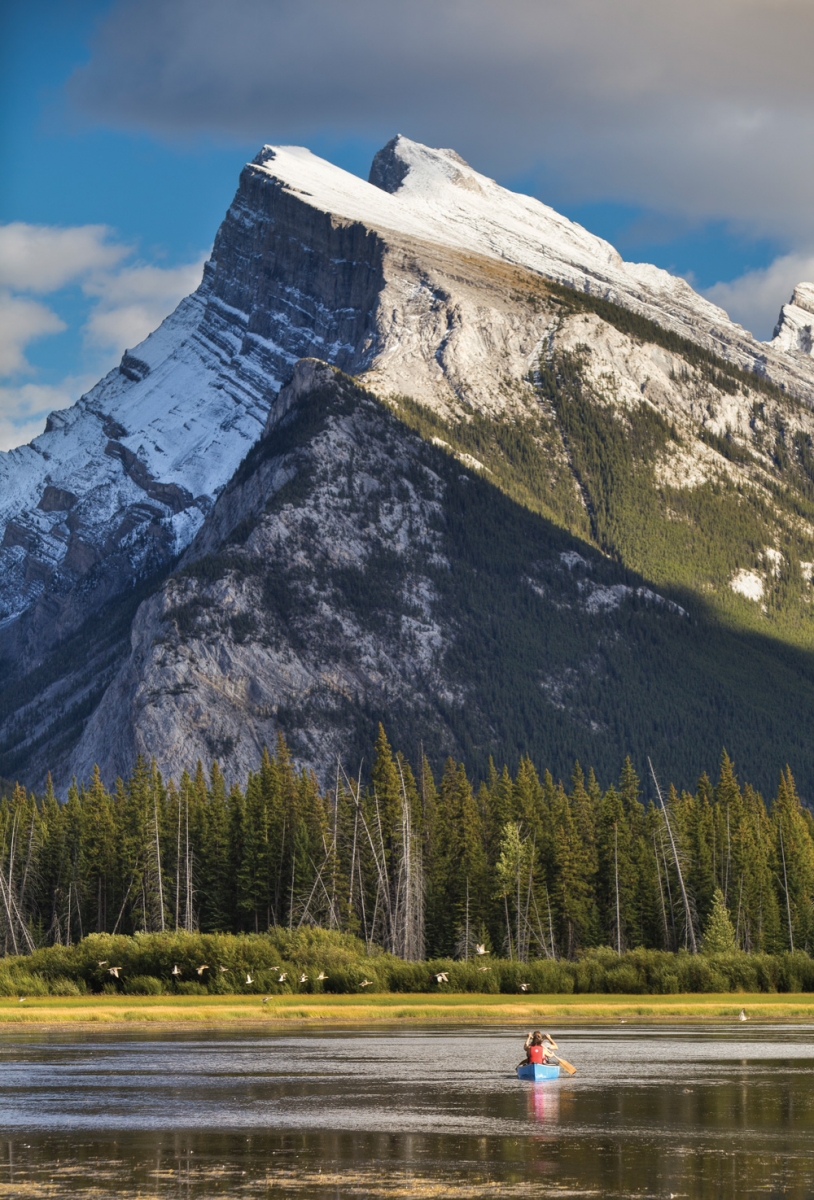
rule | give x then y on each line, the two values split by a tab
754	299
124	300
43	258
133	301
21	321
23	408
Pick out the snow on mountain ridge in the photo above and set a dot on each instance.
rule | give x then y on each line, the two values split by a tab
435	196
384	279
795	328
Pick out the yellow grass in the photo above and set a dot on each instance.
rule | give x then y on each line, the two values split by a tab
396	1009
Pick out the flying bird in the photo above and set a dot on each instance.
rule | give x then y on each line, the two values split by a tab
249	978
23	999
742	1015
266	999
223	970
114	971
176	970
366	983
282	978
322	975
480	948
303	978
103	963
524	987
442	977
484	969
203	967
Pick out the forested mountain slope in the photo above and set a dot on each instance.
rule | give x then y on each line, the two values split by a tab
354	570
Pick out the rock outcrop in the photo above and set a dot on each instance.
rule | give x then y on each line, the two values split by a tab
793	331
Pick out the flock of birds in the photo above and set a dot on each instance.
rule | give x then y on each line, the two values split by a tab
440	977
199	970
282	976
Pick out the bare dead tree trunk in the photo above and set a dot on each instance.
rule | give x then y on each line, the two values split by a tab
687	909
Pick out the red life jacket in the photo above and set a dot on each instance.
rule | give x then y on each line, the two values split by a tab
535	1054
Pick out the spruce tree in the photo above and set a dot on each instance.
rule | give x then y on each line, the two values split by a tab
719	936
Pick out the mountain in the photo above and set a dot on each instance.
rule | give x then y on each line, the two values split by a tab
604	401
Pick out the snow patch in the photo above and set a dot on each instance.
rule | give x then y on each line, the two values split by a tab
604	598
466	459
748	584
773	559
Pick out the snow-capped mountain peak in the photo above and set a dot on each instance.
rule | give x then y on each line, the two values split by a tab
427	280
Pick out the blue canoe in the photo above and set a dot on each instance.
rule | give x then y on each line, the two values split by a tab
538	1071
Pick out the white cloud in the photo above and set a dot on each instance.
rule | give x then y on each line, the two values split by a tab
23	409
754	299
21	321
124	302
135	300
43	258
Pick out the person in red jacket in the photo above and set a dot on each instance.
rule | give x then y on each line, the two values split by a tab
535	1048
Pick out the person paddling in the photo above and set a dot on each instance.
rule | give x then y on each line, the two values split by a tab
536	1048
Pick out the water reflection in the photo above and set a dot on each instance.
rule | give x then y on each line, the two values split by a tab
652	1111
544	1102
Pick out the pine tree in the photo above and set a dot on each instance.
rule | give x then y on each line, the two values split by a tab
617	875
794	854
719	936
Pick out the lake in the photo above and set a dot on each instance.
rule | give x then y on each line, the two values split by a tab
718	1111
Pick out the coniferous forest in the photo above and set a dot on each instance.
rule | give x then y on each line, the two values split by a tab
521	868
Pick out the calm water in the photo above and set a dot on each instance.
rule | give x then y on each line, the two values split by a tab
718	1112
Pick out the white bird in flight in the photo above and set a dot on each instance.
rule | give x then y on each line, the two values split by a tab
524	987
742	1015
249	978
176	970
103	963
114	971
366	983
303	978
442	977
480	948
484	968
282	978
322	975
223	970
23	999
203	967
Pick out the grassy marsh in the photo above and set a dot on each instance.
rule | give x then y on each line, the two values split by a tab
398	1009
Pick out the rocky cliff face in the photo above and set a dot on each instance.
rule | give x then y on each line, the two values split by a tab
353	571
794	328
428	284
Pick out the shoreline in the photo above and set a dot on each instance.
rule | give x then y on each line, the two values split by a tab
404	1009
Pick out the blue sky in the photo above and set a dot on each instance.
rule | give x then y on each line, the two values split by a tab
134	118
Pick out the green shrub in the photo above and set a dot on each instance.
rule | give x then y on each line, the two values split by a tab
624	980
147	962
189	987
143	985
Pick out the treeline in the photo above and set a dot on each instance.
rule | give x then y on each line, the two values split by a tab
517	867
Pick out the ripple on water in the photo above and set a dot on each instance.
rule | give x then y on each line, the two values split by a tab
697	1112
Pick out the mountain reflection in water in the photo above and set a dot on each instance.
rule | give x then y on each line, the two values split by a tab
714	1111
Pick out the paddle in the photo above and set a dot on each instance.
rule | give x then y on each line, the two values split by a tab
566	1066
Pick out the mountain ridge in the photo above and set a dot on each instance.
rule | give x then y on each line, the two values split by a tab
444	298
